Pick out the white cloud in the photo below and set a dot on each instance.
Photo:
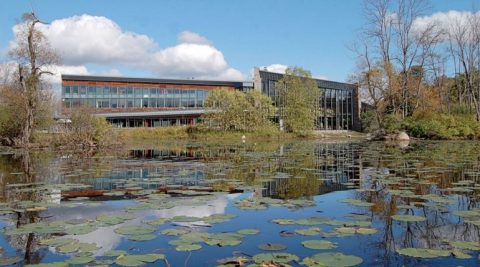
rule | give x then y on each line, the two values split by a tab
87	39
281	68
278	68
57	71
447	22
189	37
112	73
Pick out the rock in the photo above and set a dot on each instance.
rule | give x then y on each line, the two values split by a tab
402	136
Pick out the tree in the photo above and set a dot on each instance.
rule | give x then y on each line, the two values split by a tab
33	54
237	110
299	100
396	57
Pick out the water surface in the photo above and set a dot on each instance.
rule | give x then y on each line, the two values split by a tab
345	194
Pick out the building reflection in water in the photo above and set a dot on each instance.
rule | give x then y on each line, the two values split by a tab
334	167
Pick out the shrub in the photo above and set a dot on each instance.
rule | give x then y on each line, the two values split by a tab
443	126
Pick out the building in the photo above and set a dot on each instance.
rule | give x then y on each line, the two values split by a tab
139	102
339	102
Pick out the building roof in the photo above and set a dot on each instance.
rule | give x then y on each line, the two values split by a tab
321	83
237	84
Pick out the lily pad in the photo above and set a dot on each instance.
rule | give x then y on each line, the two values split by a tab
80	260
409	218
146	237
188	247
274	258
332	259
465	245
138	260
423	252
134	230
319	244
174	232
272	246
4	261
309	231
248	231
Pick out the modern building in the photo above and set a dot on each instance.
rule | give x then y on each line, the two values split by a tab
339	102
140	102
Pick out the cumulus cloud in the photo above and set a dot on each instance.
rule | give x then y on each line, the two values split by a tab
278	68
87	39
281	68
112	73
447	22
64	69
189	37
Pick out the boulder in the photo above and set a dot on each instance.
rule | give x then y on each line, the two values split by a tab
402	136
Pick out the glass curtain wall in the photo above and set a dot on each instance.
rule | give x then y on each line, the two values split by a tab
132	97
335	106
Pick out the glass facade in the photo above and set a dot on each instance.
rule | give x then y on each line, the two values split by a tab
336	103
110	97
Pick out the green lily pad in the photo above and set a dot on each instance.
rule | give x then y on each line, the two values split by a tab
248	231
409	218
69	248
138	260
460	255
319	244
114	253
80	230
134	230
309	231
423	252
218	218
114	219
274	258
465	245
4	261
272	246
332	259
283	221
158	221
51	264
174	232
188	247
146	237
80	260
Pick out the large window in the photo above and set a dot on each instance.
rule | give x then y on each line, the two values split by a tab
121	97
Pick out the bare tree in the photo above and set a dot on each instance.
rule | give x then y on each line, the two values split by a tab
33	54
464	39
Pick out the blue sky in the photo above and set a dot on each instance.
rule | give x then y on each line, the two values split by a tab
314	34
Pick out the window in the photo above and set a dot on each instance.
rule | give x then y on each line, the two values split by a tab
138	103
122	92
75	90
91	91
99	91
129	92
138	92
121	103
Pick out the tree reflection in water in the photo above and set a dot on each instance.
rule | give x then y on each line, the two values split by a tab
291	170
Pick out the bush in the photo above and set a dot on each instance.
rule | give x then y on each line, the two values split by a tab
443	126
392	123
86	130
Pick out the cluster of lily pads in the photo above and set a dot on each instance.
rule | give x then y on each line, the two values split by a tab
266	202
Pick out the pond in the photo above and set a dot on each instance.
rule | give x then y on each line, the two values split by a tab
293	203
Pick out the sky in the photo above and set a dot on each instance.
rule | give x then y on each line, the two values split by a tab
200	39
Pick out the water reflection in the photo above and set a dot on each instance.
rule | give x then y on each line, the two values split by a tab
371	172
